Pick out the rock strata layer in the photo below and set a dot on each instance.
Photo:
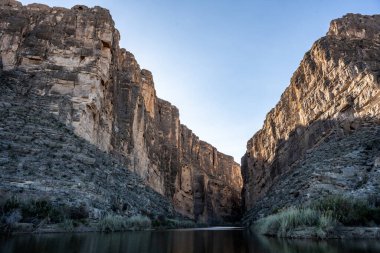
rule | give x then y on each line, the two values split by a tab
73	57
306	139
41	158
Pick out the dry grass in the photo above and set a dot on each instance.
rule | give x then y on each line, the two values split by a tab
113	223
285	222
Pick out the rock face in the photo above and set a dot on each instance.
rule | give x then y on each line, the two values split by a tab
342	164
306	141
41	158
73	57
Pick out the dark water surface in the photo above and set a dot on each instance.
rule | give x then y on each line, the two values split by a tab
177	241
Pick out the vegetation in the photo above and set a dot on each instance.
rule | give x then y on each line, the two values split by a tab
166	223
350	211
68	225
322	216
173	223
38	212
282	223
112	223
138	222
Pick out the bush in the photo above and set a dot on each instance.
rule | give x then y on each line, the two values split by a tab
350	211
32	210
322	215
171	223
112	223
79	212
13	217
138	222
282	223
68	225
11	204
163	222
39	209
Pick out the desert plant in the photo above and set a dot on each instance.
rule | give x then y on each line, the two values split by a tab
10	213
32	210
111	223
67	225
138	222
11	204
173	223
13	217
79	212
349	211
290	219
163	222
38	209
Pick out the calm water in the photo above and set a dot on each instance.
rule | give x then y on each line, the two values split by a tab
177	241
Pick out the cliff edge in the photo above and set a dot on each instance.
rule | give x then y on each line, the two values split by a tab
71	60
322	137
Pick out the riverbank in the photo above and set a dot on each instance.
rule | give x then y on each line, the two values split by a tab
340	232
327	218
177	241
108	224
26	228
41	215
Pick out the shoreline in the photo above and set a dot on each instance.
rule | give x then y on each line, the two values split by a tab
340	232
26	228
307	233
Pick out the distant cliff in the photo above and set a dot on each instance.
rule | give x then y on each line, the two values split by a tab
72	57
307	147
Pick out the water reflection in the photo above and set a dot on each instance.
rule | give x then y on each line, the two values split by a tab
177	241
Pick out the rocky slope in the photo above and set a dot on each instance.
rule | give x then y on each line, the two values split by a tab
72	57
342	164
41	158
323	135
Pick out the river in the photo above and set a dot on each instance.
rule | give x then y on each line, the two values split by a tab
211	240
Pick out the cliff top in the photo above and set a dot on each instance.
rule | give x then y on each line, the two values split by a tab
356	26
351	27
41	7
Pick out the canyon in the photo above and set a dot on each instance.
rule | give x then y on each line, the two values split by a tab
72	67
322	138
81	120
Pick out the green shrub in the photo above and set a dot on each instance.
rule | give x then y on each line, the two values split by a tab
12	217
78	212
163	222
138	222
68	225
33	210
322	215
11	204
112	223
171	223
39	209
293	218
349	211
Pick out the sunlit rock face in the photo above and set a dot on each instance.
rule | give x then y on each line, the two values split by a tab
334	92
73	56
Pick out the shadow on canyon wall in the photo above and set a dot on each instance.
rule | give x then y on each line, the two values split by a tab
260	175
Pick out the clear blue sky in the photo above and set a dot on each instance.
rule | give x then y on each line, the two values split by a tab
224	64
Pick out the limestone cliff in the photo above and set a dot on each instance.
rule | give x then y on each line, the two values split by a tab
41	158
73	57
334	93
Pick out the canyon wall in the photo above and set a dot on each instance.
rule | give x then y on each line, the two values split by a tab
72	56
334	92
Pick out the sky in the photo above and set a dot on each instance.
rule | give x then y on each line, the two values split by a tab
223	63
